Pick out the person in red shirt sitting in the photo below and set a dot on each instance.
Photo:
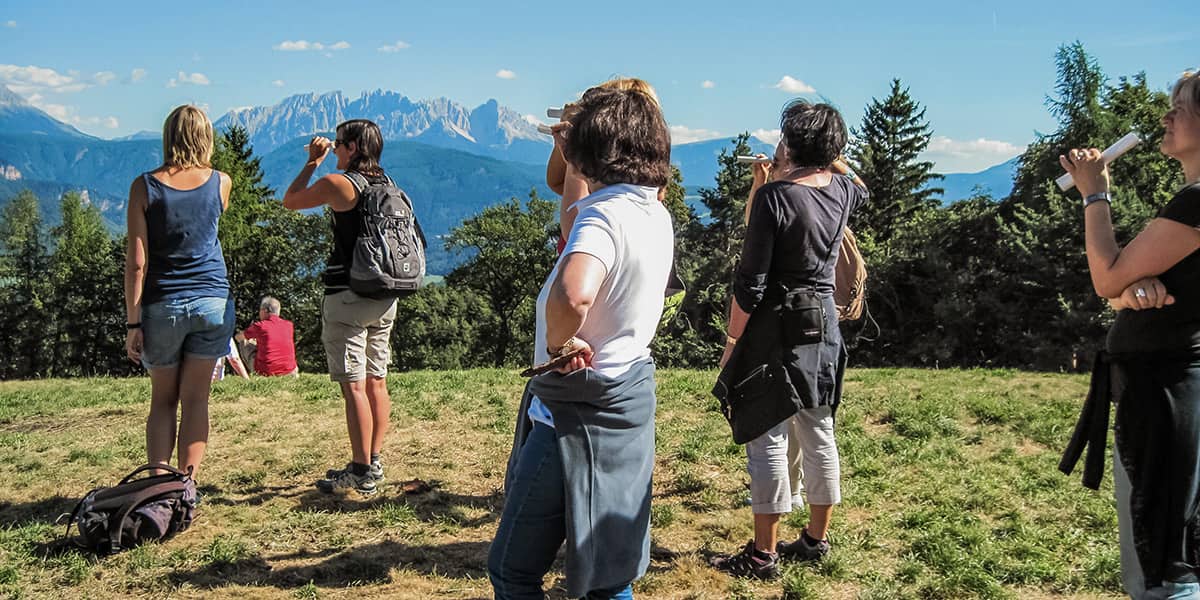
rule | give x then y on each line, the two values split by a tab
275	339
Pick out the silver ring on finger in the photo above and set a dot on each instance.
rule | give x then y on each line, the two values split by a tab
1140	292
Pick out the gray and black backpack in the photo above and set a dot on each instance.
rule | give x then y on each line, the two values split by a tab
389	255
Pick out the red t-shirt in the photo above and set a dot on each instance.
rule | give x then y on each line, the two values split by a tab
276	346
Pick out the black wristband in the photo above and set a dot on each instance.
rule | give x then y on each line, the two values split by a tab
137	325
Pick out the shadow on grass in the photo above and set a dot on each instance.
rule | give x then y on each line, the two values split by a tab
339	569
44	511
435	505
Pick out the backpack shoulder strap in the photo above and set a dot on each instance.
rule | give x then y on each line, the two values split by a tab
357	180
135	500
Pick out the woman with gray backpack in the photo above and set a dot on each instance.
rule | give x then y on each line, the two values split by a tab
377	256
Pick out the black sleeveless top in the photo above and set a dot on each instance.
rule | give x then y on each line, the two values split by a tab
345	225
1174	328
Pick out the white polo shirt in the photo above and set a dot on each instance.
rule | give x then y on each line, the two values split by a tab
628	230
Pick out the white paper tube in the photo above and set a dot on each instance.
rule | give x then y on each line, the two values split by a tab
749	160
545	129
1110	154
554	113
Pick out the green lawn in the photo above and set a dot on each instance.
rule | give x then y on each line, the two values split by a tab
950	484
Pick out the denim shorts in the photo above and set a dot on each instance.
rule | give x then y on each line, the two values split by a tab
199	327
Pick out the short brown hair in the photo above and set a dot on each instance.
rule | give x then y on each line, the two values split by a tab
619	136
1186	93
187	138
368	142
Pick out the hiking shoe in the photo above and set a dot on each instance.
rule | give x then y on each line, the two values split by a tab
345	480
750	562
802	549
375	469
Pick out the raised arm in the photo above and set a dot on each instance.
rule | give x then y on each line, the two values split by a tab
1158	247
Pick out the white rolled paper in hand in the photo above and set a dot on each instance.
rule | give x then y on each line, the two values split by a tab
543	128
750	160
1110	154
554	113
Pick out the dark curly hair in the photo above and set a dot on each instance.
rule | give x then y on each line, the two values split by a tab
619	136
814	134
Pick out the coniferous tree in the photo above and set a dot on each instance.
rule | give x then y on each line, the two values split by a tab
885	152
24	292
270	250
87	291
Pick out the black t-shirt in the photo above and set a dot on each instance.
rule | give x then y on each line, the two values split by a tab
1175	327
346	225
793	237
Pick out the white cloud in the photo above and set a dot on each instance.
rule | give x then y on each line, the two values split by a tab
277	83
681	134
31	80
770	136
792	85
10	23
137	75
398	46
296	46
192	78
708	84
532	120
67	114
103	77
506	74
958	156
304	45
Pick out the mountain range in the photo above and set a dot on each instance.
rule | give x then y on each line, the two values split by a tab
453	160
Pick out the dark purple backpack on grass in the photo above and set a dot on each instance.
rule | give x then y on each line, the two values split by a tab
135	511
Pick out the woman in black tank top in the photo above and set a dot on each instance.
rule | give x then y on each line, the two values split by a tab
355	330
1152	365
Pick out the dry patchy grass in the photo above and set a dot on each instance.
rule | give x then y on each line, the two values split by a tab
949	482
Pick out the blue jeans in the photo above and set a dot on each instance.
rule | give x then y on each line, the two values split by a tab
199	327
533	524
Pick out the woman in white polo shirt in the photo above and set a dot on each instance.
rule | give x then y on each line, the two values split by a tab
584	447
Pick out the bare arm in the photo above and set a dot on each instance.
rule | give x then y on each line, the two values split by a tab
571	296
135	265
575	188
334	190
1159	246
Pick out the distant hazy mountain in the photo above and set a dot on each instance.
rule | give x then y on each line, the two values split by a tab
995	181
141	135
487	130
18	116
698	160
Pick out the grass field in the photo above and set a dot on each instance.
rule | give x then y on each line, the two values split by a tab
950	484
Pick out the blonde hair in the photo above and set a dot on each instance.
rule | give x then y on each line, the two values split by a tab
187	138
625	84
1186	94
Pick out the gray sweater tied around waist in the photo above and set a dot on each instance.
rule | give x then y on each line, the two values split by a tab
605	431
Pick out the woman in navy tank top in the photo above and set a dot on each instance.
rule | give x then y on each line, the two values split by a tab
179	313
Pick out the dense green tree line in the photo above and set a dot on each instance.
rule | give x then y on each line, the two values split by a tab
979	282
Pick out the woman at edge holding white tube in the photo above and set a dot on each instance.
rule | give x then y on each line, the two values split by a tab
1152	365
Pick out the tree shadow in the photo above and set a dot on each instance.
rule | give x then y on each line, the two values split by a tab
355	566
43	511
435	505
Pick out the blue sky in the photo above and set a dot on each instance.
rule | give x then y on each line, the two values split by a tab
982	69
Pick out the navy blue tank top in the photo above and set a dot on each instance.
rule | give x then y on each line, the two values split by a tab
184	256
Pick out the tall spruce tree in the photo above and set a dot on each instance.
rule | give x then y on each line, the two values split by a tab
885	151
86	279
24	292
270	250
